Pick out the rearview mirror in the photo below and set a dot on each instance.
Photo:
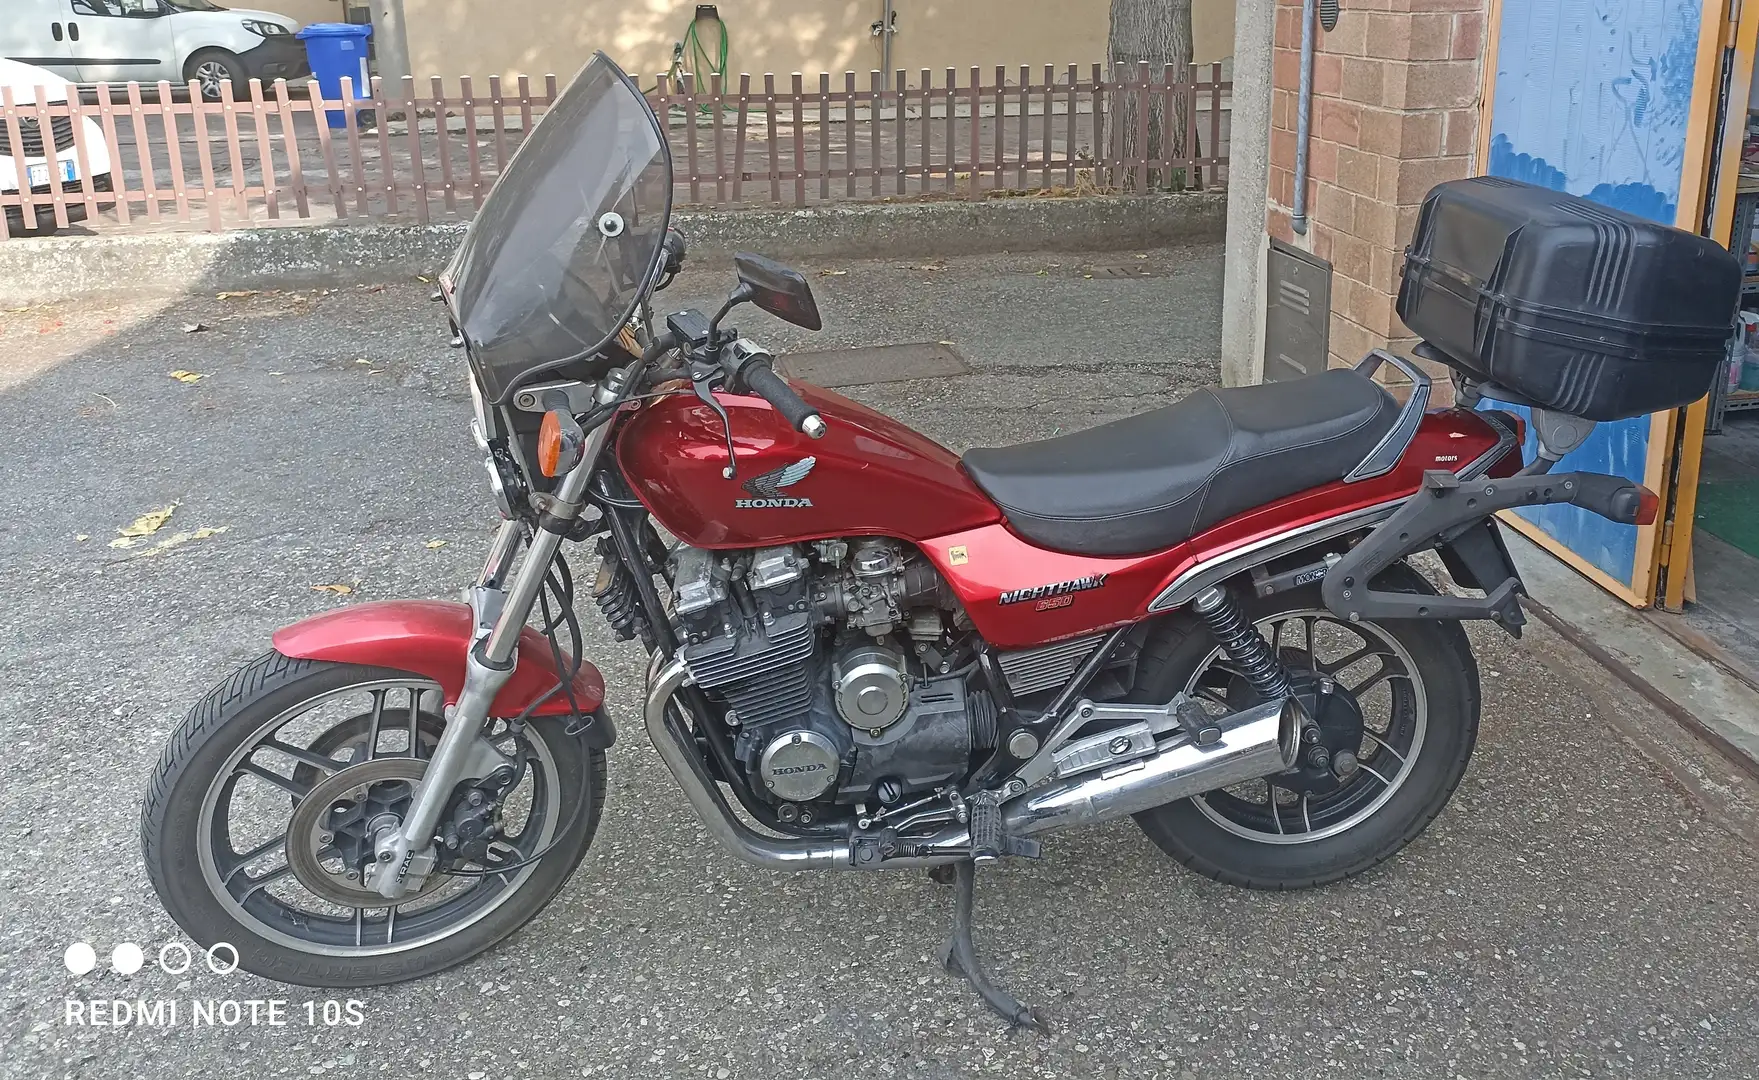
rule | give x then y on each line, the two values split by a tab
777	289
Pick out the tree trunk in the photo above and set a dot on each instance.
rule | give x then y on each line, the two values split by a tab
1159	32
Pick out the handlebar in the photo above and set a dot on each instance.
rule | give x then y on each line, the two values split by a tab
748	367
762	380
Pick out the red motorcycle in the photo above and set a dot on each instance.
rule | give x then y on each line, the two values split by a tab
868	652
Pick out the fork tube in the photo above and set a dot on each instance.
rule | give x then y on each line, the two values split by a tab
501	552
487	667
522	594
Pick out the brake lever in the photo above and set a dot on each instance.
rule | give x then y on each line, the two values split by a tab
699	382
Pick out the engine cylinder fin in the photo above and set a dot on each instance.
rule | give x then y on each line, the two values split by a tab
763	677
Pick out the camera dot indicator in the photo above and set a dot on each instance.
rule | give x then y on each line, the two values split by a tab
127	958
80	958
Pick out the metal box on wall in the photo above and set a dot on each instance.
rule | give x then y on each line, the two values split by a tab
1297	313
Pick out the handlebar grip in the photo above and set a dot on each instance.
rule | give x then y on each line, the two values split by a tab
763	381
1614	498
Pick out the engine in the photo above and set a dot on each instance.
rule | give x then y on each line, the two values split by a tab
835	662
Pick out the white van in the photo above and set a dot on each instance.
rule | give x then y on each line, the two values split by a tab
144	41
30	85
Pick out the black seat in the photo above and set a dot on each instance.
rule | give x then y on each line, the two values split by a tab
1150	481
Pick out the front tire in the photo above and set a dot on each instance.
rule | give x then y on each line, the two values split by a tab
296	909
1282	833
210	68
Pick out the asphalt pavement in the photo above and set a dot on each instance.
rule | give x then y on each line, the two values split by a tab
1585	907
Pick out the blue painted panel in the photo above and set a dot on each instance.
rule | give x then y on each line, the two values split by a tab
1620	449
1593	97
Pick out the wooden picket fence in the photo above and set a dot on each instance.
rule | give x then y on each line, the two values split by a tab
271	157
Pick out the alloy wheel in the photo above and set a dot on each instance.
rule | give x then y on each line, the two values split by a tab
347	762
1380	678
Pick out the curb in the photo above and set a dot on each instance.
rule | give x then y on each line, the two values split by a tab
39	270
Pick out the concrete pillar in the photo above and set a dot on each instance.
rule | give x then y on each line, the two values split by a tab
1248	181
390	43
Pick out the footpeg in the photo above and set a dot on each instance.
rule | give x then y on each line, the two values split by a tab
989	839
1201	726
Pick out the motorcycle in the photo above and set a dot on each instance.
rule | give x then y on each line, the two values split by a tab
867	652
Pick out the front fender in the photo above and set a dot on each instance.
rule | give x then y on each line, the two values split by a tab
430	638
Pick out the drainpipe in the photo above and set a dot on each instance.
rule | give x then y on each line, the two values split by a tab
1304	121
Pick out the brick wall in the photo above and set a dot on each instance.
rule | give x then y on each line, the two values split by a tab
1395	111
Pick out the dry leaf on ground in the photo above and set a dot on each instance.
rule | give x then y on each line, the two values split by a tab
148	523
186	376
174	540
235	294
339	590
435	544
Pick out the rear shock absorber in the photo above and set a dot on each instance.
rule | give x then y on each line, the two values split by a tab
1247	648
1243	643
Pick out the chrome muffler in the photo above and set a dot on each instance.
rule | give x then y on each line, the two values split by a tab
1254	743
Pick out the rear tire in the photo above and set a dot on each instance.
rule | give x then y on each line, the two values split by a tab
197	886
1227	837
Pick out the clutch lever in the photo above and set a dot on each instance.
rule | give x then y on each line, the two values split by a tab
700	378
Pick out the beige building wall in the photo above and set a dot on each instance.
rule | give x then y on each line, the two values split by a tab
306	11
537	37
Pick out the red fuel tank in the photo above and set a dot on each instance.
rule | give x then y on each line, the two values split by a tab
869	475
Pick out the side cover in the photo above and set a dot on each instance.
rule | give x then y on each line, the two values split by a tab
869	475
430	638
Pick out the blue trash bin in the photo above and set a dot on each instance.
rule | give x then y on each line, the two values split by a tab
338	51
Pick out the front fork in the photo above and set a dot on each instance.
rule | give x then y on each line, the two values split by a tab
405	853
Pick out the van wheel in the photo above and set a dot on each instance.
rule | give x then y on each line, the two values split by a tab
210	68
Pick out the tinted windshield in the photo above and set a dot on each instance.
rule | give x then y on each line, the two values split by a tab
194	5
568	242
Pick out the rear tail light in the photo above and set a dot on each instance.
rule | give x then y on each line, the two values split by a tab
1648	506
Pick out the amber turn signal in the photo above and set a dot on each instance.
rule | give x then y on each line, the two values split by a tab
559	443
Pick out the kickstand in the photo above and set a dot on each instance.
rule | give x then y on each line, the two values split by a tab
960	958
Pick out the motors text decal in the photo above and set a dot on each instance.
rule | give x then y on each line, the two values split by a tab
1061	588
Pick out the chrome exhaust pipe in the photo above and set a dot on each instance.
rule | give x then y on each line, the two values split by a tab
677	749
1254	743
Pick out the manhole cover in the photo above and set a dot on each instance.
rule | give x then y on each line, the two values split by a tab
875	364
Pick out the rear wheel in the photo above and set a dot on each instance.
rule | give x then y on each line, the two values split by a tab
258	823
1406	703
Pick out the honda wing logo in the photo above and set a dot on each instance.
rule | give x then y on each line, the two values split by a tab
767	488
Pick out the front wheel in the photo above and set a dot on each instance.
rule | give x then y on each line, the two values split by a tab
211	67
258	824
1405	702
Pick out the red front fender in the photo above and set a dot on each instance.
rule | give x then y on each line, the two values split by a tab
430	638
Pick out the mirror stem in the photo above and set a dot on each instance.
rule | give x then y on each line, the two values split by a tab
741	295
